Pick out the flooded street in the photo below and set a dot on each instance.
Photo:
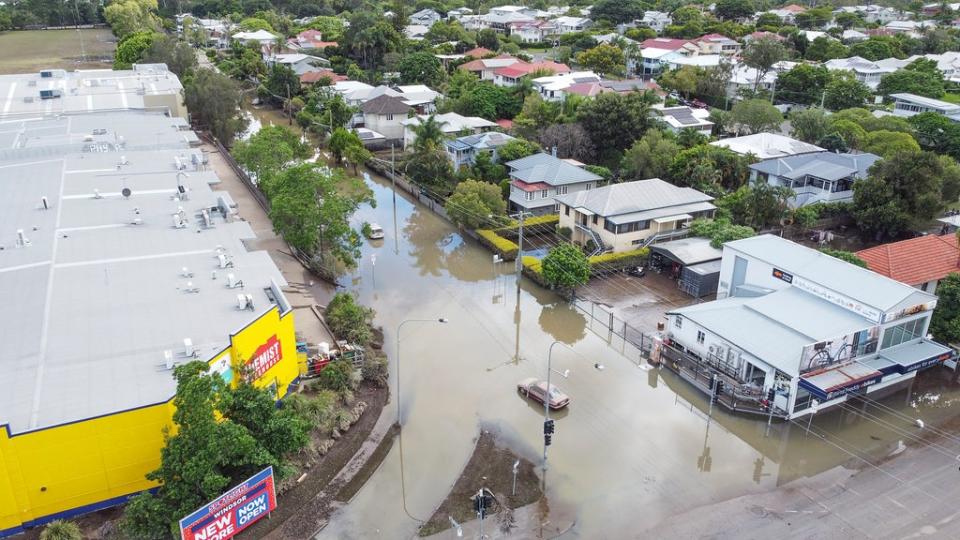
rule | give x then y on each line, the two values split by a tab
635	447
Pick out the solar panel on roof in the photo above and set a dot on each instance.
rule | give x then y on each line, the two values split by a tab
685	117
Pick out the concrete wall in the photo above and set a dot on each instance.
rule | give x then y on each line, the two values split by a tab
71	469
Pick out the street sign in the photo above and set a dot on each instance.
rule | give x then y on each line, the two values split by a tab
234	511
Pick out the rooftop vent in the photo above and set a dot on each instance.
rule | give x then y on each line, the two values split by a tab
22	240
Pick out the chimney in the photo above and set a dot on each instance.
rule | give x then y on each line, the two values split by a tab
553	151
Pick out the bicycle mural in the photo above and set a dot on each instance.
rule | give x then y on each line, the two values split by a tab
827	353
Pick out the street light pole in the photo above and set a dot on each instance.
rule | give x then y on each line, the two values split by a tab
399	328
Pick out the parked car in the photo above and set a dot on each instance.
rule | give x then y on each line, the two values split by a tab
375	232
536	390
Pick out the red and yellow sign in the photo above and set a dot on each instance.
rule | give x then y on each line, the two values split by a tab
265	357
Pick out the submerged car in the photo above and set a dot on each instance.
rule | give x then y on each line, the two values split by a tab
375	232
536	390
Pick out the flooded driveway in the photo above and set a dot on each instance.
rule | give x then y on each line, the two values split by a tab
635	447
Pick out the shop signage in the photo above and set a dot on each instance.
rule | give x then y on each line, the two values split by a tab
928	362
265	357
838	299
824	395
912	310
780	274
233	511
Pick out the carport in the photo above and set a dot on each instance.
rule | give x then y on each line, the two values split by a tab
693	262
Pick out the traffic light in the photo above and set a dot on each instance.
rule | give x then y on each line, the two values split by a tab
547	439
548	427
771	393
719	387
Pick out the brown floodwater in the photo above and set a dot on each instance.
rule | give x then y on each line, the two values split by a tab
636	445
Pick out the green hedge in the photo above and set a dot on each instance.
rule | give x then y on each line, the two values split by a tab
618	261
507	249
533	269
533	225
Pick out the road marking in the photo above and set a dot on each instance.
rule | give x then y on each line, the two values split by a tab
9	103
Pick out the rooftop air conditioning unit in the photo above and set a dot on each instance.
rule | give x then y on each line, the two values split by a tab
46	74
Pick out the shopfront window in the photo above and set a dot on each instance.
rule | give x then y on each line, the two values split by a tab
902	333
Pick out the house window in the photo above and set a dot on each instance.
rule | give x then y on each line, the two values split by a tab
595	218
566	210
608	226
556	208
528	195
561	190
678	321
700	336
389	117
543	193
588	187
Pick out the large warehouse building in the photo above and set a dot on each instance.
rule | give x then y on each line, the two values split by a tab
119	260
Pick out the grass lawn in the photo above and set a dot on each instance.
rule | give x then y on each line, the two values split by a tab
951	98
32	50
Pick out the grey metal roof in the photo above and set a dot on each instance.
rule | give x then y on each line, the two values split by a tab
546	168
927	102
826	165
860	284
688	251
385	104
94	300
618	200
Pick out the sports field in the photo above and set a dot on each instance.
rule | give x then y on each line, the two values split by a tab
32	50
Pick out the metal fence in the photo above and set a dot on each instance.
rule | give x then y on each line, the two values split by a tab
603	320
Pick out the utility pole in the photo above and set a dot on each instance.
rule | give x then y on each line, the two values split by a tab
289	107
519	260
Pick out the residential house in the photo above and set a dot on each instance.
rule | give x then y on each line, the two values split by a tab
911	28
486	67
533	31
384	114
627	216
767	146
762	34
871	13
425	17
553	87
418	96
912	104
511	75
718	44
479	52
311	78
920	262
415	32
457	13
818	177
744	78
657	52
593	89
853	36
452	125
569	25
787	14
298	62
865	71
678	119
309	39
700	60
501	17
463	151
657	21
260	36
795	331
535	181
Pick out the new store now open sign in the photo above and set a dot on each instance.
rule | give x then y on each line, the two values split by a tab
233	511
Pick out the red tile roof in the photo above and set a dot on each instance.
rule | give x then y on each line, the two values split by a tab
480	65
312	77
521	68
504	123
478	52
587	89
669	44
794	8
915	261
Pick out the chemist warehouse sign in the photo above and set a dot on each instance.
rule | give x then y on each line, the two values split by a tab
233	511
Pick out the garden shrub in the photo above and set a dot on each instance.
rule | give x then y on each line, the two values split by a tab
507	249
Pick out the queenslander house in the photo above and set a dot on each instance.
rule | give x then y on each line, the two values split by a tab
800	331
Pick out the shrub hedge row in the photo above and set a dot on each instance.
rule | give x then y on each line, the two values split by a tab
532	225
507	249
610	262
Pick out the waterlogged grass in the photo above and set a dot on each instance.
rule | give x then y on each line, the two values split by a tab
29	51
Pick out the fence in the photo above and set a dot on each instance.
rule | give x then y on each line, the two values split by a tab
382	168
614	326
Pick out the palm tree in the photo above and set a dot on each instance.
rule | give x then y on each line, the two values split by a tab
428	133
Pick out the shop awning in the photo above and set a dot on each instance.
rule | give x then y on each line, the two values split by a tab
667	219
916	356
833	382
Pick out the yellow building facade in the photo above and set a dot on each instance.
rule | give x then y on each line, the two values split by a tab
86	465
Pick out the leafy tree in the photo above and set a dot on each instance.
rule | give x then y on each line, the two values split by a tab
570	140
337	376
847	20
421	68
485	169
516	149
489	101
214	103
937	133
311	214
851	132
605	59
565	267
690	137
61	530
617	11
267	152
357	155
844	92
755	116
341	140
711	169
370	38
888	143
650	156
874	49
900	191
178	55
712	83
614	121
914	79
282	83
132	47
536	115
472	201
349	320
734	9
845	256
763	54
945	324
825	48
686	15
769	20
488	39
803	84
280	431
203	456
814	18
331	28
128	16
833	142
430	166
428	133
757	206
809	125
682	80
253	24
719	230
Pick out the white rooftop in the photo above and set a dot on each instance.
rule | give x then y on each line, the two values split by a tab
767	145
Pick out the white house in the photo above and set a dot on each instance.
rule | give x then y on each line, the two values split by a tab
656	20
299	63
552	87
425	17
678	119
631	215
767	146
501	17
815	177
911	104
533	31
799	331
718	44
463	151
452	124
568	25
535	181
484	68
385	115
260	36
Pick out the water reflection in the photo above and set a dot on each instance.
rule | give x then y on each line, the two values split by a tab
562	321
426	242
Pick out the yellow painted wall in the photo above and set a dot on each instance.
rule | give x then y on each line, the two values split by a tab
96	462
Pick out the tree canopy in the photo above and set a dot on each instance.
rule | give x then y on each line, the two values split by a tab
565	267
473	201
